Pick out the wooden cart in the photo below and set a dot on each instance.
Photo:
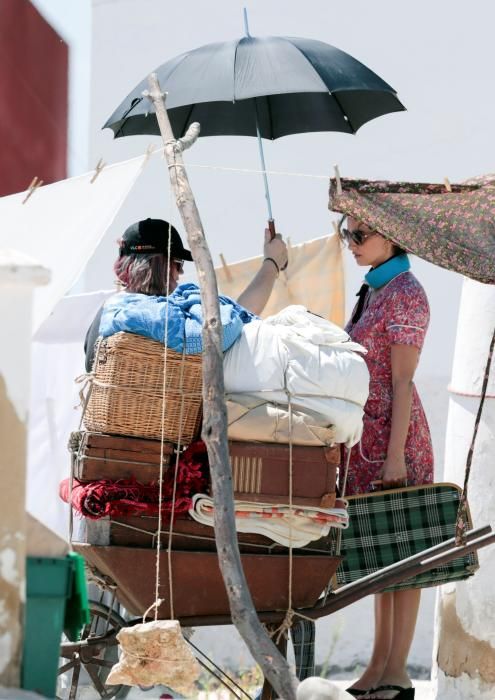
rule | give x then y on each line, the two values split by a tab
122	554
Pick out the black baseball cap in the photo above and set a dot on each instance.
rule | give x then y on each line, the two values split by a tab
150	236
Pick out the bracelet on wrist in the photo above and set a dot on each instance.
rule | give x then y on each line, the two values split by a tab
275	263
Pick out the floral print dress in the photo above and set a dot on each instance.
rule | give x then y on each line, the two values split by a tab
396	314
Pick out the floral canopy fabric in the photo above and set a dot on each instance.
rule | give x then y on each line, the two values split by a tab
453	229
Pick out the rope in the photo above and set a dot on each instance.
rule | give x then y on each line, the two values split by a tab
290	611
462	514
286	624
282	630
250	171
297	395
72	440
338	541
346	471
179	439
205	538
136	462
90	380
158	600
174	492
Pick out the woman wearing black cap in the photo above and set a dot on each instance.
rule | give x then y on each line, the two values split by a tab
142	267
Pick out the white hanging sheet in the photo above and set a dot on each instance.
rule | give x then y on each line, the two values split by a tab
61	225
57	357
314	278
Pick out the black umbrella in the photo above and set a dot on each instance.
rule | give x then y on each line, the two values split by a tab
260	86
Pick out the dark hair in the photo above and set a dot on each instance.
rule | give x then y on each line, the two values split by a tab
398	250
144	274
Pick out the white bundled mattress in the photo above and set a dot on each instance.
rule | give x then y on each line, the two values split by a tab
298	357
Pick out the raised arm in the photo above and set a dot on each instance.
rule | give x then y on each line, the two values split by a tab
257	293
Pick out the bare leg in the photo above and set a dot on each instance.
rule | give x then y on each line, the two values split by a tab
405	613
384	619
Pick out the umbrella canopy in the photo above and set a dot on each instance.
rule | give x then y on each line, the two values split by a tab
455	230
283	85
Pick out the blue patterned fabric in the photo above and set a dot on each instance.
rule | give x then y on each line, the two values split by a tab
145	315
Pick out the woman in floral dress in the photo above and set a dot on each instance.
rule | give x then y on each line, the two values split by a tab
390	320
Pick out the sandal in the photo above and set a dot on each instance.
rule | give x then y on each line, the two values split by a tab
402	694
357	692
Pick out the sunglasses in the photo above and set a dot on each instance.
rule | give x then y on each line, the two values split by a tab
356	236
179	264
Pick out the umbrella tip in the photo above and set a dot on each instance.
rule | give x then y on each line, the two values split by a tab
246	24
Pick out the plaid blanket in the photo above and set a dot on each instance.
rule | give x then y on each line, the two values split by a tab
386	527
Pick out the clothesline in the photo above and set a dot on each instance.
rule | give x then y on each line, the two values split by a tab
250	171
257	172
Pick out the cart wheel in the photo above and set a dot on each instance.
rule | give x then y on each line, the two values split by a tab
95	653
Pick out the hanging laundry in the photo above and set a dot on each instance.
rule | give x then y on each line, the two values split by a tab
314	278
62	224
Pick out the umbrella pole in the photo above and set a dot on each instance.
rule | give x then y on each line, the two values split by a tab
275	668
271	221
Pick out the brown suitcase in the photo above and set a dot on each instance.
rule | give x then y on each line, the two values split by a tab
187	534
97	456
260	472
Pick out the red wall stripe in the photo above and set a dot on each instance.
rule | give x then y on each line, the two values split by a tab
34	64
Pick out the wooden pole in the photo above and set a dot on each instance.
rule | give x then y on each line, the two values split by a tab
274	666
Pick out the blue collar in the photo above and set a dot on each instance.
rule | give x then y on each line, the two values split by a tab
382	274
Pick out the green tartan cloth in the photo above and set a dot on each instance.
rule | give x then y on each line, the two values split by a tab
386	527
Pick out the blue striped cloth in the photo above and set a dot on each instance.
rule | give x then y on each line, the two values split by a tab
145	315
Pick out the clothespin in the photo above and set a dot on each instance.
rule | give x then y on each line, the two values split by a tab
288	243
35	183
448	186
228	273
99	167
337	179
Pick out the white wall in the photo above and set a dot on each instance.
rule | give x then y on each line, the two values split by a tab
437	55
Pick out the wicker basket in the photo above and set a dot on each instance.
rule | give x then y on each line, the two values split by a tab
126	393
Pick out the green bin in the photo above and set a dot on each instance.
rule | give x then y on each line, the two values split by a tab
50	584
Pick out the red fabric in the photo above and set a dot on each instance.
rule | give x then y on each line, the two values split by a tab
128	497
398	314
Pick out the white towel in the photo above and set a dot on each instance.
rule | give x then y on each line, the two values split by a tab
276	521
